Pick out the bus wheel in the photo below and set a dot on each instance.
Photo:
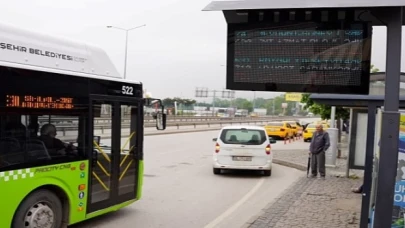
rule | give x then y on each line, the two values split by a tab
41	208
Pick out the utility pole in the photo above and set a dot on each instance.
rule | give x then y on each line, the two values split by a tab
254	100
213	103
126	44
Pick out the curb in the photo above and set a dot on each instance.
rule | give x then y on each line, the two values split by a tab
289	164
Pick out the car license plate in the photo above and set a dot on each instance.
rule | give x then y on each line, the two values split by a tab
235	158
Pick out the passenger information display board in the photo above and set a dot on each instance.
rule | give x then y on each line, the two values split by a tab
299	60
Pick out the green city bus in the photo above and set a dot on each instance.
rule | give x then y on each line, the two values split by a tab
71	132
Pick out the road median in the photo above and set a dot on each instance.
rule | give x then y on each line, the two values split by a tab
70	131
155	132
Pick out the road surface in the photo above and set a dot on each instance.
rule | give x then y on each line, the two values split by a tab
180	189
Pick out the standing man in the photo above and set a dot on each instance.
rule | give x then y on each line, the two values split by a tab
319	144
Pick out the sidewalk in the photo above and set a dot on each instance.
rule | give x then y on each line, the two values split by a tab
310	202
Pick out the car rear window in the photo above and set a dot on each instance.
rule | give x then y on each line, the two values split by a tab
275	124
243	136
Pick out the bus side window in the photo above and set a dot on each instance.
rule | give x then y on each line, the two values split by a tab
12	140
21	143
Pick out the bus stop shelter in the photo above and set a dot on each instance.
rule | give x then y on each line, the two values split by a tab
370	104
389	13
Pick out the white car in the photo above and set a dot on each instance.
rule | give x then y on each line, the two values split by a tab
243	147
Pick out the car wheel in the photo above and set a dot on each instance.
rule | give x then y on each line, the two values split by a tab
267	172
217	171
40	207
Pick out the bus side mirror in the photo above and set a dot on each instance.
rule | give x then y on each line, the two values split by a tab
161	121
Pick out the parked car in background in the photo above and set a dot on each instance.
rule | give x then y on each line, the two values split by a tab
296	127
279	129
243	147
310	129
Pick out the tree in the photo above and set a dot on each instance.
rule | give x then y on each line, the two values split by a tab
374	69
277	104
169	102
260	102
203	104
323	110
222	103
242	103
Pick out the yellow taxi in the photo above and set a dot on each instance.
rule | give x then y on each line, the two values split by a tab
310	129
297	129
279	130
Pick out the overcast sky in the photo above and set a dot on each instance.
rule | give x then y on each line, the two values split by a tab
180	48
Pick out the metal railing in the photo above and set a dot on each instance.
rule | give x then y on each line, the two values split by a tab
68	121
65	130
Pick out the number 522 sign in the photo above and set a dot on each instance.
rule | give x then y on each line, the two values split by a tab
127	90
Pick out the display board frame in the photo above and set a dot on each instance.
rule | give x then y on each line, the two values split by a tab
363	88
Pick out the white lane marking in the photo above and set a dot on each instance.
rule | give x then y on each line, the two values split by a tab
234	207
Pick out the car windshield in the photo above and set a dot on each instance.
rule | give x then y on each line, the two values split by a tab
243	136
292	123
275	124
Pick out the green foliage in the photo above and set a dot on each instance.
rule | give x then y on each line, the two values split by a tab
242	103
323	110
278	107
262	103
374	69
169	102
239	103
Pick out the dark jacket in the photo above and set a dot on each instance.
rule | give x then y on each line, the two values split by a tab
320	142
52	143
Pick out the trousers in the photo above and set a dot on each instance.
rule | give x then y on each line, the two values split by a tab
318	164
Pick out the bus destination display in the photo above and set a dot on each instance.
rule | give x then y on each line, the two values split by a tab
298	59
39	102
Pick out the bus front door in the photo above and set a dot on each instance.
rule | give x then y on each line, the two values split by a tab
117	151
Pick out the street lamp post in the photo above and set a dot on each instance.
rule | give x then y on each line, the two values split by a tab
126	44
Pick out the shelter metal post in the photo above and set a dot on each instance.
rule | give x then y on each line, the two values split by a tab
368	167
332	116
390	122
348	143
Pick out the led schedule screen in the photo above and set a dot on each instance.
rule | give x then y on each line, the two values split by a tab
39	102
299	60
